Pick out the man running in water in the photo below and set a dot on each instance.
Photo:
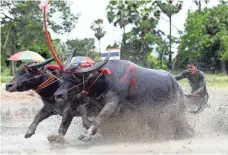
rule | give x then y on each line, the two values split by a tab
197	82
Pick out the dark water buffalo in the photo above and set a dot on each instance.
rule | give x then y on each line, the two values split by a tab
128	84
34	76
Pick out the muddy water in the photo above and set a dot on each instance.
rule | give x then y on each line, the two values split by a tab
18	111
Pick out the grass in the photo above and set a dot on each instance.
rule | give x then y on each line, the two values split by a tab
212	80
5	79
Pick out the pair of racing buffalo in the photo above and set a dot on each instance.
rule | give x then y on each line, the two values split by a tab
98	91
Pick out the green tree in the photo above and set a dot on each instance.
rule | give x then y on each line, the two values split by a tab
199	4
85	47
143	17
205	38
144	23
122	13
97	27
160	47
170	10
22	27
115	45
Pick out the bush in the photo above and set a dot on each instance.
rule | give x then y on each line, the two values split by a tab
6	71
6	79
155	63
152	62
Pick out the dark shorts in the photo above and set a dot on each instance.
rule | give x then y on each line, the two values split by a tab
203	99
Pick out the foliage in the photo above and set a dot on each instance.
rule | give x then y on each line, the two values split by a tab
169	9
5	71
97	27
143	16
122	13
152	62
212	80
85	47
115	45
5	79
22	27
199	4
205	38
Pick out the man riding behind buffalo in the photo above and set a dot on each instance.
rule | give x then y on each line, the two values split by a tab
197	82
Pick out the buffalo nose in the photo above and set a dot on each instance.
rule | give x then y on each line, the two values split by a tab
8	85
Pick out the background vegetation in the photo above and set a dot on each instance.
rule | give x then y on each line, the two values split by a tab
205	38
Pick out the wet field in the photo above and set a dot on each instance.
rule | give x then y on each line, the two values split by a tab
19	109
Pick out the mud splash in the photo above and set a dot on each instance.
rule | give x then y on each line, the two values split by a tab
210	131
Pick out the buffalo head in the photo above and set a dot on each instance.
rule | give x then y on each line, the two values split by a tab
74	79
28	77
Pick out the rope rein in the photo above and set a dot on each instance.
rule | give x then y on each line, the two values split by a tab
83	83
44	84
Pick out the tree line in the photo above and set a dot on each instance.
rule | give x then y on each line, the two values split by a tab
203	40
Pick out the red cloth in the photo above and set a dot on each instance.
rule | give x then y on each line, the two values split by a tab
53	67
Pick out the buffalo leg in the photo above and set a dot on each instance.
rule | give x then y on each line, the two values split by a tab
108	110
83	112
40	116
67	118
66	121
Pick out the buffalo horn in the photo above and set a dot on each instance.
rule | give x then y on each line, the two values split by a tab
69	59
93	68
38	65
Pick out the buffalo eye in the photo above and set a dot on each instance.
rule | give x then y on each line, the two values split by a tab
28	71
22	72
72	79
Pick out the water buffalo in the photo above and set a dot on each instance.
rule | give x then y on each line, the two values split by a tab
37	77
128	84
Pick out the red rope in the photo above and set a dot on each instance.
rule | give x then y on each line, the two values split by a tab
45	83
30	78
83	91
27	79
49	41
94	81
65	91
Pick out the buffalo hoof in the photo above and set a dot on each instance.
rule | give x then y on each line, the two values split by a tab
56	138
29	134
85	137
87	124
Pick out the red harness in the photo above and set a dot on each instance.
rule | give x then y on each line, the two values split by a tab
86	91
102	72
51	79
45	83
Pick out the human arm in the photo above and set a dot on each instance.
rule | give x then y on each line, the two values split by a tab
180	76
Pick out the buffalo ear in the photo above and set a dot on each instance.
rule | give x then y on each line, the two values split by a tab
40	68
27	71
74	75
67	63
